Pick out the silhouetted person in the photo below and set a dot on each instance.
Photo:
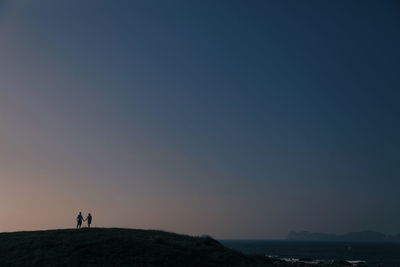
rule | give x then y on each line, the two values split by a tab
79	220
89	220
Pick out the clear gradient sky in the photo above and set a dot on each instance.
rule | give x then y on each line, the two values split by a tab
237	119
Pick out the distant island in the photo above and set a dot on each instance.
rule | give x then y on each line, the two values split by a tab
363	236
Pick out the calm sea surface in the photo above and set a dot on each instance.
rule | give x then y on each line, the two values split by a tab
386	254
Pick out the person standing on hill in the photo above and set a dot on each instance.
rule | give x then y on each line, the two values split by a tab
79	220
89	220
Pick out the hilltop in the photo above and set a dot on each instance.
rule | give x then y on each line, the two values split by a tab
117	247
121	247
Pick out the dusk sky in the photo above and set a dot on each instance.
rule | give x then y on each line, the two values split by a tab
236	119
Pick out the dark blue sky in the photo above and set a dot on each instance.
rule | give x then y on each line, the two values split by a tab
251	118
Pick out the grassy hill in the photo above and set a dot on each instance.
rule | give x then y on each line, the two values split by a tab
125	247
117	247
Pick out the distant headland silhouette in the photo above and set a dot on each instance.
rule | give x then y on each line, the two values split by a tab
362	236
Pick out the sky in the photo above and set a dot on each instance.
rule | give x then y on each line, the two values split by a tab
236	119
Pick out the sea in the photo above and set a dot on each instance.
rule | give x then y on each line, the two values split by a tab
383	254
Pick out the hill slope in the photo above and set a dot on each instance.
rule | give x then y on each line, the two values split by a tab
117	247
